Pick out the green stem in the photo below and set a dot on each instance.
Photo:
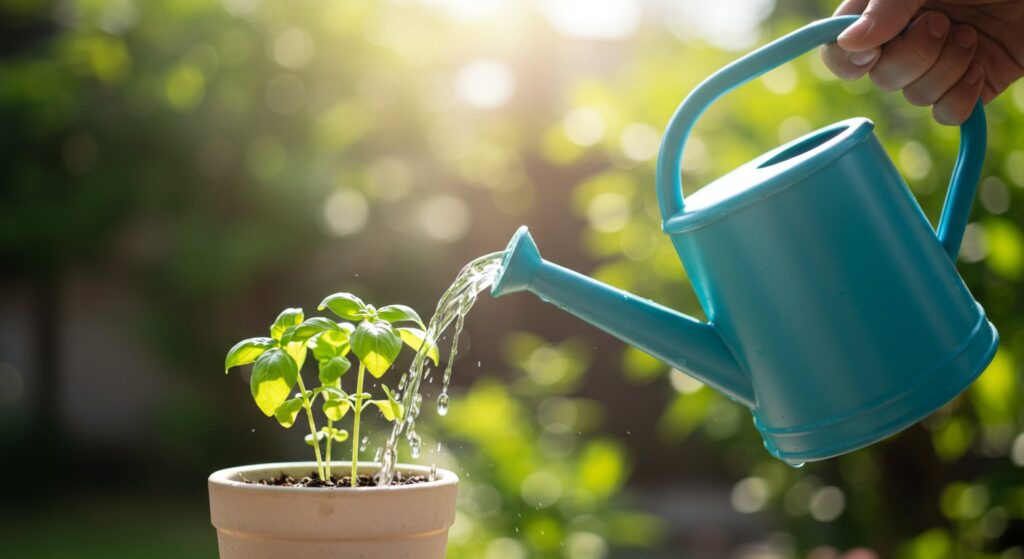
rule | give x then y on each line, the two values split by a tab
312	429
355	426
330	439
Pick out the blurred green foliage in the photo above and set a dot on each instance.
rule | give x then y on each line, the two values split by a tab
211	148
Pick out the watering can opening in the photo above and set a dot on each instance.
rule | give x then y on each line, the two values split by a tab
804	145
770	173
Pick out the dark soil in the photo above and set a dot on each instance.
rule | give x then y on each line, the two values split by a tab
284	480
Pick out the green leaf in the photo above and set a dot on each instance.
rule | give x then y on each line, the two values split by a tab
332	343
388	409
414	337
396	408
320	435
288	317
345	305
335	409
273	377
331	393
398	313
312	327
297	351
377	346
332	369
286	412
340	435
246	351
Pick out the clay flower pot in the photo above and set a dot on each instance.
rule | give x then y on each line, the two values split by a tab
264	522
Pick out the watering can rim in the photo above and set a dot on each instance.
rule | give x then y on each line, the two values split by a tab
769	173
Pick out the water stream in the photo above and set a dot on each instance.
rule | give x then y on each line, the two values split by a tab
453	306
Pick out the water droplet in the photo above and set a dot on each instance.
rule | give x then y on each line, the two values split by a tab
442	404
798	465
363	443
414	446
433	472
402	381
379	455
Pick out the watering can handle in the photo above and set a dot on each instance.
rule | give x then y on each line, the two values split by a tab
966	172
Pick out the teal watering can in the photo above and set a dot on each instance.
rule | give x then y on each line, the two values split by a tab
835	313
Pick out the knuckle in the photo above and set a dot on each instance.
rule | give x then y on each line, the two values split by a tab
883	80
918	97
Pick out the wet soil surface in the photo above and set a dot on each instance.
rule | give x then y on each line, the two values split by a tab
284	480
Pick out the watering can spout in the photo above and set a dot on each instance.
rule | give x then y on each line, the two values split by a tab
681	341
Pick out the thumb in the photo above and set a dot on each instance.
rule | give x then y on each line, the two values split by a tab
880	23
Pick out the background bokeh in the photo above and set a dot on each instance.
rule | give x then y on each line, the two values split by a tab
175	173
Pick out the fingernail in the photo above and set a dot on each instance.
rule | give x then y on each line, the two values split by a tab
863	58
974	73
965	36
856	31
938	25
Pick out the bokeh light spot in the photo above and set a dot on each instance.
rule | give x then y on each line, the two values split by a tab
293	48
584	126
640	141
542	489
749	495
827	504
444	218
346	212
485	83
592	19
915	161
994	195
684	383
608	212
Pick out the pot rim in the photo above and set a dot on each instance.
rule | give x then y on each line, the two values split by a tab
227	477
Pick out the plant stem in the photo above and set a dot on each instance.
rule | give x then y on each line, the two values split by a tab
327	456
355	426
312	429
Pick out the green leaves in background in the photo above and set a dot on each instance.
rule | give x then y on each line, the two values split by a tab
377	345
246	351
414	338
345	305
273	377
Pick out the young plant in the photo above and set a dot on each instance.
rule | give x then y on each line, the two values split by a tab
277	362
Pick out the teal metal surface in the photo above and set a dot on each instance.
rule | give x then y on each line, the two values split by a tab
835	313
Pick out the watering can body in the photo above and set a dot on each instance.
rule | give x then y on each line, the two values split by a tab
835	313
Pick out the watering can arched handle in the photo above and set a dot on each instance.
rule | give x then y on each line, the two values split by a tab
966	172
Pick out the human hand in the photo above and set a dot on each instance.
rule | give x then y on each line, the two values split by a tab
952	52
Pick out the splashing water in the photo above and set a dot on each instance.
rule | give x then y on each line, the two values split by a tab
455	303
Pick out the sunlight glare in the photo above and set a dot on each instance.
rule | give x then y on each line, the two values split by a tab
592	19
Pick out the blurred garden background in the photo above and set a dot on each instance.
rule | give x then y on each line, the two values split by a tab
174	173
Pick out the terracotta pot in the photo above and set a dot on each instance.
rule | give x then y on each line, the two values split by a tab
264	522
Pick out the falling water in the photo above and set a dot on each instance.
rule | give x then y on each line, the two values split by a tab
455	303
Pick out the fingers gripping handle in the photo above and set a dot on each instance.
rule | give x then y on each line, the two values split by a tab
963	184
